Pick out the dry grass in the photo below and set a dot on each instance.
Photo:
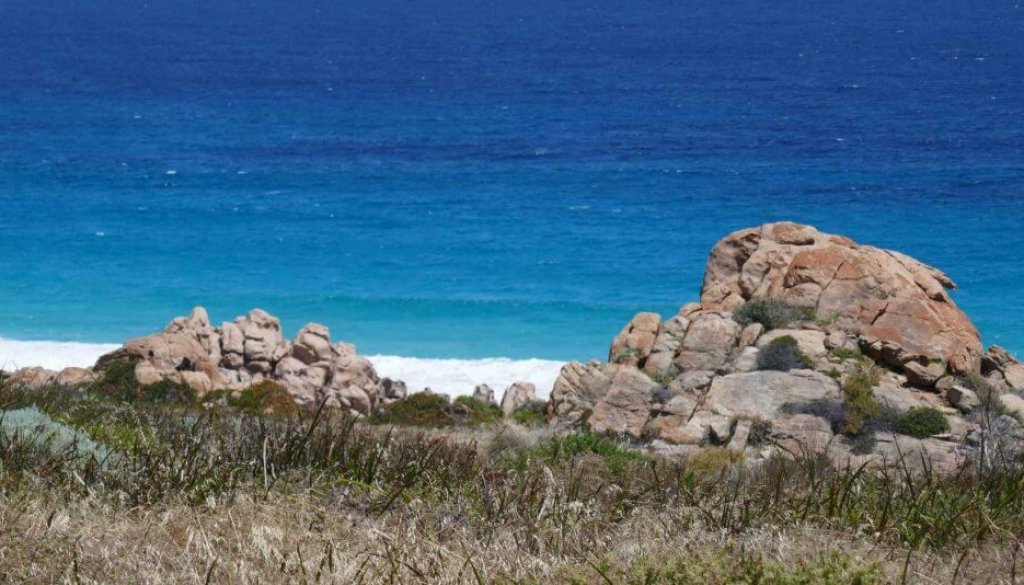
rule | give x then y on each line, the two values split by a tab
222	497
310	539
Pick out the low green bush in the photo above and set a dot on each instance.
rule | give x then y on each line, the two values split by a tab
737	566
921	422
713	459
421	409
532	414
475	412
771	314
117	382
760	432
562	449
265	397
783	353
842	354
424	409
859	404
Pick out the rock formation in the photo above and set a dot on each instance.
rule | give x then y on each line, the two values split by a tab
252	349
516	395
484	393
702	376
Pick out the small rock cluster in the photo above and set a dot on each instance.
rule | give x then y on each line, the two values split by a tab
516	395
252	349
698	378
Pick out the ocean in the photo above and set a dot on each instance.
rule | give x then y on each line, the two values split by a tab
500	185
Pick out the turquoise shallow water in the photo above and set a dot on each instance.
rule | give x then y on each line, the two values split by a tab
455	180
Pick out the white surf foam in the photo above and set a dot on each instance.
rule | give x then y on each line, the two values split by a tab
451	376
459	377
53	355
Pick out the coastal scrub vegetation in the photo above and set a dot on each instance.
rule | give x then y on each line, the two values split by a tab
428	410
859	403
783	354
921	422
106	488
532	414
771	314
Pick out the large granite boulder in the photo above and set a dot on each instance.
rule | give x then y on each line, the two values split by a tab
516	395
768	394
852	312
898	306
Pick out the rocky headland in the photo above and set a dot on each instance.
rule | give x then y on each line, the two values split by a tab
801	341
804	341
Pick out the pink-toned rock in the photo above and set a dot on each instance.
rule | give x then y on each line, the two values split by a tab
708	342
251	350
350	398
196	324
999	360
517	395
636	340
232	346
666	344
799	434
924	375
353	383
703	425
167	351
750	334
263	344
72	377
626	405
146	373
766	394
34	377
887	298
578	388
304	382
313	344
198	381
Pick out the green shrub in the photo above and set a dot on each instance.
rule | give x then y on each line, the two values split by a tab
771	314
842	354
713	459
760	432
562	449
118	382
532	414
421	409
783	353
739	566
859	404
263	398
475	412
921	422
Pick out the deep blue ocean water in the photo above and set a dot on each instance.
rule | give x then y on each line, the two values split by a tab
471	179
